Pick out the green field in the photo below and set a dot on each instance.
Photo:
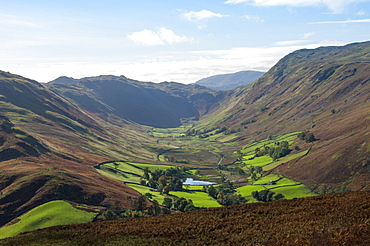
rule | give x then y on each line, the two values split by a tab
46	215
145	189
247	189
295	191
258	161
289	137
200	199
151	167
127	171
267	178
288	187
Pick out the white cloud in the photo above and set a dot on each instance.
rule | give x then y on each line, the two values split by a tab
290	42
254	18
335	6
201	15
307	35
184	67
343	22
160	37
361	13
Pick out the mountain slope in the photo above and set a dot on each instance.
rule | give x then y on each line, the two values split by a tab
158	105
230	81
326	91
48	148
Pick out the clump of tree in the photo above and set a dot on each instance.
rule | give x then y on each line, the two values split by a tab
164	180
306	136
232	170
184	205
140	209
225	194
255	172
280	149
179	203
267	196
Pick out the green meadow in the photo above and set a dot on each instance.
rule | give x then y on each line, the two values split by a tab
49	214
199	198
288	187
131	172
258	161
289	137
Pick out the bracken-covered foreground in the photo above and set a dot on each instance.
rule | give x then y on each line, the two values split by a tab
332	219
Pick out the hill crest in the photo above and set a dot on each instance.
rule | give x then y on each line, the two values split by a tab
230	81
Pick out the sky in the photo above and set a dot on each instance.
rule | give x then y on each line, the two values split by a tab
168	40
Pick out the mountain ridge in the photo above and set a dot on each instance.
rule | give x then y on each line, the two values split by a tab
230	81
146	103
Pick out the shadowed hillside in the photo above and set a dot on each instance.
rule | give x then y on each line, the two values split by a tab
158	105
334	219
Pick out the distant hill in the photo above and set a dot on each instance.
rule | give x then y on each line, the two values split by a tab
230	81
159	105
64	80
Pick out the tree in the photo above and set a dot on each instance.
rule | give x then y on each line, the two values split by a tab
140	203
267	195
109	215
212	192
146	174
162	181
257	152
221	198
307	136
154	209
166	189
167	202
148	195
189	207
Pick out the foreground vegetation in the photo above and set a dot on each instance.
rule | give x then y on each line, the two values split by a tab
331	219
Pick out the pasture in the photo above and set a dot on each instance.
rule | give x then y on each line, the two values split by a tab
49	214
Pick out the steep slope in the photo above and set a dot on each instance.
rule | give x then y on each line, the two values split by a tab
230	81
158	105
326	91
48	148
332	219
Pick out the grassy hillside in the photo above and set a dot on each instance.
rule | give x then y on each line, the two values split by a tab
46	215
332	219
325	91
